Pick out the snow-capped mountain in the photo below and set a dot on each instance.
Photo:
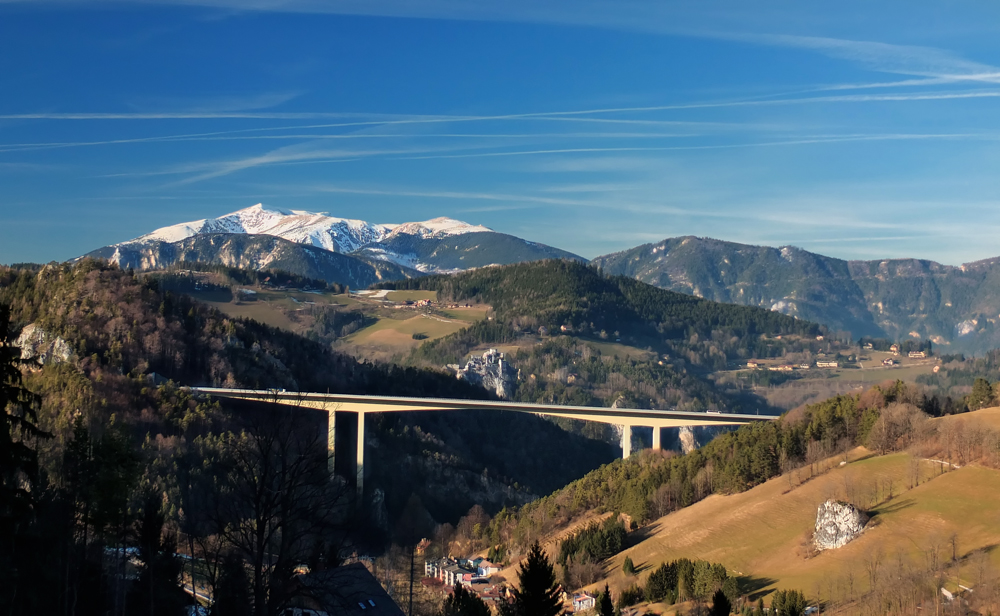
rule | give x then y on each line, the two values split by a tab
382	251
317	229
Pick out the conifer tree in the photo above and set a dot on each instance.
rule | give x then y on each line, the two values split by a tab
720	604
19	434
605	607
157	592
628	567
464	603
538	594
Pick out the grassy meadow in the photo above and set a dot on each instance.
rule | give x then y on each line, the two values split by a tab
765	534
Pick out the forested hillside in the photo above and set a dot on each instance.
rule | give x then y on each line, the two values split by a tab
578	311
566	293
120	329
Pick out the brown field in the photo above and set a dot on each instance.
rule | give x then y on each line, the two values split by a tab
388	336
764	533
261	311
988	417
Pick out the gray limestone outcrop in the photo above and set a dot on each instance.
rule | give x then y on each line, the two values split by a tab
491	371
37	344
837	524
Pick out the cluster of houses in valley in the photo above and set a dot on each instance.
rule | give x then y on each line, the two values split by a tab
888	362
894	349
461	571
790	367
480	576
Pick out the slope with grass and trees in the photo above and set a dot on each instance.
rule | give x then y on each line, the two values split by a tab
748	501
667	344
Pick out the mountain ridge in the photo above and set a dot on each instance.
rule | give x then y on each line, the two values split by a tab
955	307
346	251
312	228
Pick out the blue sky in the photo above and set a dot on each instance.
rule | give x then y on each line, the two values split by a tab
862	132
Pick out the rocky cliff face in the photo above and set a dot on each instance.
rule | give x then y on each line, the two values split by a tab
37	344
837	524
492	372
688	441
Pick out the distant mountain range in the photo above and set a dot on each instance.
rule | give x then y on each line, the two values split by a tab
957	308
352	252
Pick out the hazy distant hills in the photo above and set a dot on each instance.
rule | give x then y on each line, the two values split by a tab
353	252
955	307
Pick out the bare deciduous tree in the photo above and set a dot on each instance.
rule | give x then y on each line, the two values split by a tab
275	505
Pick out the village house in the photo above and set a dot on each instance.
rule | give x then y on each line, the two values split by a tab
827	364
888	361
752	364
457	574
782	368
450	571
584	601
917	354
869	346
487	568
894	349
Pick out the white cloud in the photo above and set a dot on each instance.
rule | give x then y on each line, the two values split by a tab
884	57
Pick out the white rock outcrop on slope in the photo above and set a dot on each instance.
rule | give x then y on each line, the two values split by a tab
688	441
492	372
35	343
837	524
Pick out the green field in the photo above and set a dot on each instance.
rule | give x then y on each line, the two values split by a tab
611	349
411	296
472	314
398	333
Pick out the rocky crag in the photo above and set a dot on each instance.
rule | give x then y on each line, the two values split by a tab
490	371
837	524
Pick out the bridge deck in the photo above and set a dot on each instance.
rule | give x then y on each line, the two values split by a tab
363	405
391	404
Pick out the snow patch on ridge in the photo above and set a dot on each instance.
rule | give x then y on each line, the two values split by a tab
316	229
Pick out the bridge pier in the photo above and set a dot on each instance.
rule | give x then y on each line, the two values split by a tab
331	448
331	441
361	456
657	433
626	441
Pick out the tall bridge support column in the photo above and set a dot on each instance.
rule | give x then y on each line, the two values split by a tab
626	440
331	441
657	433
361	456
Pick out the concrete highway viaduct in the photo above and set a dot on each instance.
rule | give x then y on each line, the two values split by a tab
362	406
